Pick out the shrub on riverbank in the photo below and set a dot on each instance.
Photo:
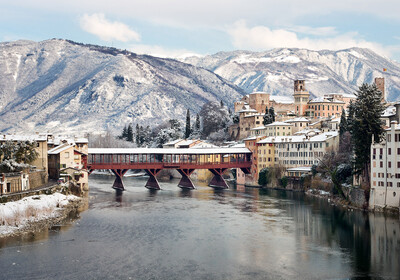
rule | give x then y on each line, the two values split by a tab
19	214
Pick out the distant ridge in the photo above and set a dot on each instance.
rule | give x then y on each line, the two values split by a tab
324	71
64	86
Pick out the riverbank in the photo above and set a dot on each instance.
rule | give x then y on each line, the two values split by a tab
35	213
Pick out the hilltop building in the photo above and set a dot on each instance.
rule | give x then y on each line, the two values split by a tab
301	112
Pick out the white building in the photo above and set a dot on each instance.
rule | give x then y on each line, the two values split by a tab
385	170
301	150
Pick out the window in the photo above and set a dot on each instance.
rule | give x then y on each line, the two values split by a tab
66	155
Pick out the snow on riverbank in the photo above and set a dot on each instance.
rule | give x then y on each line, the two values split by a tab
16	215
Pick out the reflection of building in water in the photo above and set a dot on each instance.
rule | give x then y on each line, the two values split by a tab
385	245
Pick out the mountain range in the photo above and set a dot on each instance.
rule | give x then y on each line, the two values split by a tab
62	86
67	87
324	71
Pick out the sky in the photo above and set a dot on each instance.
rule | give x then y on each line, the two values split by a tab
177	28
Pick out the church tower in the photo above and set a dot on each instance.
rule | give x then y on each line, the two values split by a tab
380	84
301	97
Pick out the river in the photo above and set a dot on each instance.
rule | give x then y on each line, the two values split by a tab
239	233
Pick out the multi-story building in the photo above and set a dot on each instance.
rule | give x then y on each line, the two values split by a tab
251	144
385	170
301	150
325	107
298	124
66	161
273	129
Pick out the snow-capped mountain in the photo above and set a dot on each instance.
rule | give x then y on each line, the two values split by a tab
62	86
324	71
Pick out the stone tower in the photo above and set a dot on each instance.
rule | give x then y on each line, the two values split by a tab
380	84
301	97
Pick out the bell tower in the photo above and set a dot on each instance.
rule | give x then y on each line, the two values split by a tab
380	84
301	97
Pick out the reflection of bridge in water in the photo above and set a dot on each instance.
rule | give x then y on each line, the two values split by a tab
185	161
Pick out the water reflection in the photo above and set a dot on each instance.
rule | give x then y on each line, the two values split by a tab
186	193
118	195
238	233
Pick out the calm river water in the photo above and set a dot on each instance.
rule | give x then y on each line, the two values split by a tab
206	234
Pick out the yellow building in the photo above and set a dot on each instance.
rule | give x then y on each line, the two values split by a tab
41	147
266	153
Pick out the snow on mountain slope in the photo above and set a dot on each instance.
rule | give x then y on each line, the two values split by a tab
324	71
61	86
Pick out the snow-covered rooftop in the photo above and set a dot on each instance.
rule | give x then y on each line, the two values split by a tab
250	138
239	145
59	149
187	142
247	110
301	119
17	137
203	145
299	138
173	142
389	111
281	99
322	99
308	131
282	139
184	151
279	124
258	128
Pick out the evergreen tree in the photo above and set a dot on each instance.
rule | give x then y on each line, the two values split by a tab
267	117
350	116
129	133
271	112
365	126
137	135
343	124
123	136
188	130
197	123
222	103
141	136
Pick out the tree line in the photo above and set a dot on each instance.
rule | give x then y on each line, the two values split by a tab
211	123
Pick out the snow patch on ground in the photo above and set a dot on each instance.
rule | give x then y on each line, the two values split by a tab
17	214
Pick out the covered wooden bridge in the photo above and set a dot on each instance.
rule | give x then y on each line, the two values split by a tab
185	161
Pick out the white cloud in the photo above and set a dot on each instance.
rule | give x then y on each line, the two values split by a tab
159	51
263	38
317	31
107	30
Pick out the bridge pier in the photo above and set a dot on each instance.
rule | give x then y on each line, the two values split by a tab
152	183
218	181
186	182
119	173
